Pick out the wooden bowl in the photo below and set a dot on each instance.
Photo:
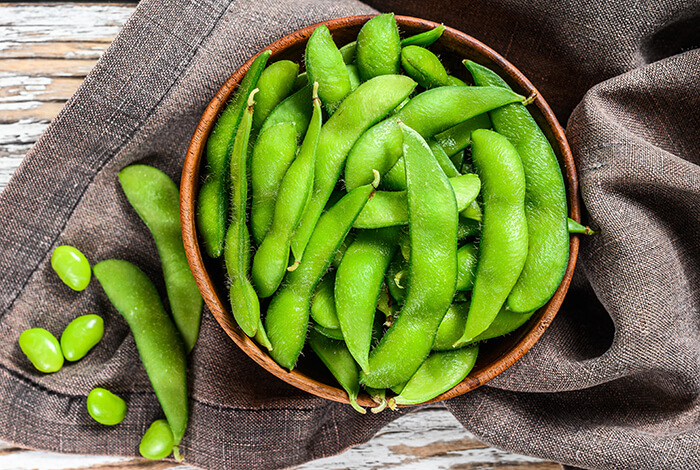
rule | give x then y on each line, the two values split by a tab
495	355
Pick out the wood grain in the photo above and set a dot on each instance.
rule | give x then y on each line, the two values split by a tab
45	52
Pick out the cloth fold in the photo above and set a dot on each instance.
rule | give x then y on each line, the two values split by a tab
613	383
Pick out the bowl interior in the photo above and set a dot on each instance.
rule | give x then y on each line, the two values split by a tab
495	355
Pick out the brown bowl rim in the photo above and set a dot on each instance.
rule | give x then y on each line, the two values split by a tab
190	182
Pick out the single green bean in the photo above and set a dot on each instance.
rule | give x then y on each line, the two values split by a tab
425	39
504	242
72	267
42	349
81	335
423	66
378	47
365	106
358	283
212	201
432	269
275	84
244	301
105	407
156	200
158	342
272	258
158	441
324	64
545	200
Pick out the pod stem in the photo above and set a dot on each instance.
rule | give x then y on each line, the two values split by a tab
530	99
177	455
251	98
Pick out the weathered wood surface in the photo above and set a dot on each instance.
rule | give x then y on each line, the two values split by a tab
45	52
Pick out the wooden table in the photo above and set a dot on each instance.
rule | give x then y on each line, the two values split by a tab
46	49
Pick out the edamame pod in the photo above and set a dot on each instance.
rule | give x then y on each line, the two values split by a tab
425	39
332	333
439	373
545	200
348	52
454	81
380	146
397	290
159	344
323	304
337	358
423	66
324	64
457	138
466	266
357	285
378	47
212	200
156	200
275	84
432	276
372	101
287	316
272	258
244	301
297	108
504	242
354	76
273	152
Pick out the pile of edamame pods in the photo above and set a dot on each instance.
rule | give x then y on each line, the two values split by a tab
382	211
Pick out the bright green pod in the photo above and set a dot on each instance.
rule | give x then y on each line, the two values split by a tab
323	304
545	200
441	371
42	349
467	228
394	277
287	316
81	335
423	66
156	200
244	302
504	241
372	101
273	152
271	260
378	47
354	76
457	138
157	340
358	283
379	148
275	84
458	159
390	208
395	179
337	358
300	82
425	39
324	64
297	108
72	267
432	271
348	52
340	252
105	407
332	333
467	257
454	81
212	200
157	443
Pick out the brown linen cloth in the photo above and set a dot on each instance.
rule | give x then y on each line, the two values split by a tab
615	381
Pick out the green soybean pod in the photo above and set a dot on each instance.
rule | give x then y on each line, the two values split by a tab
324	64
358	283
287	316
457	138
467	228
467	257
212	200
158	342
423	66
545	200
323	309
272	258
378	47
337	358
72	267
380	147
158	441
454	81
348	52
397	290
354	76
372	101
105	407
504	242
425	39
156	200
441	371
42	349
458	160
332	333
244	301
81	335
275	84
297	109
432	268
273	152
